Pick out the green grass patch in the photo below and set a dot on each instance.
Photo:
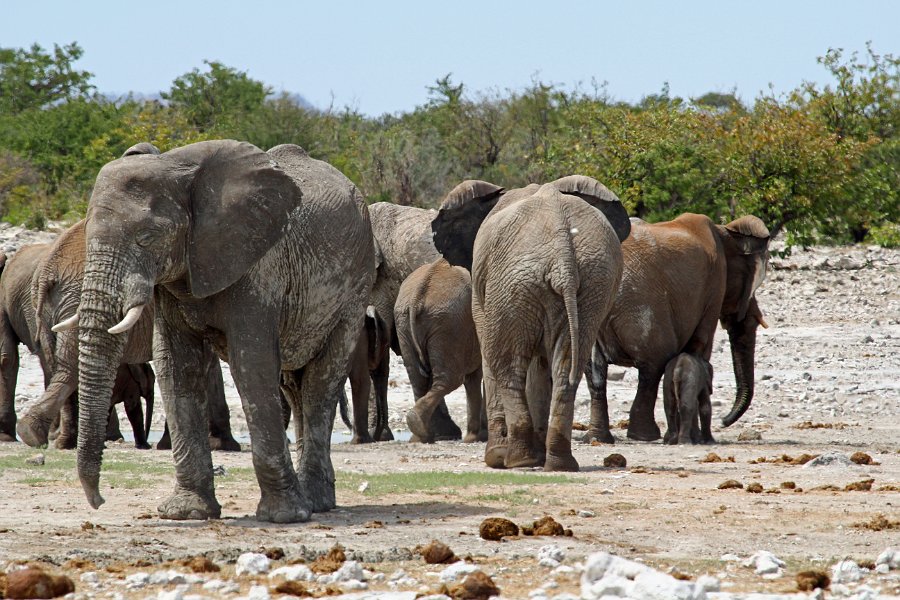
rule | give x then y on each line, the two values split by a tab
446	482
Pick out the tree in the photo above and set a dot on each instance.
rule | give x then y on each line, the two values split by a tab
34	78
218	99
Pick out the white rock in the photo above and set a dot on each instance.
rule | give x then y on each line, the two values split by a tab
550	556
864	592
214	585
137	580
839	589
829	459
708	583
890	557
252	563
90	577
846	571
354	584
349	571
883	568
293	573
176	594
397	575
607	575
258	592
586	514
730	558
765	563
456	571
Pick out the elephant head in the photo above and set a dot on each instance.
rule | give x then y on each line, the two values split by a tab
461	214
196	219
600	197
746	242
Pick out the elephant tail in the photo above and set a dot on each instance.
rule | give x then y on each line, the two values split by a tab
564	280
342	408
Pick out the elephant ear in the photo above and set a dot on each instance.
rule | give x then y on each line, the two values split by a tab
141	148
462	211
746	248
240	204
600	197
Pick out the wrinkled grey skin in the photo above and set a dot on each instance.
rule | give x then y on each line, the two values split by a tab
269	257
16	327
55	291
403	238
680	277
687	386
433	319
544	273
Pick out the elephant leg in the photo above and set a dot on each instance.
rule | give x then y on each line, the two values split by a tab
442	424
562	412
497	442
179	361
9	370
705	410
671	409
113	431
596	376
131	400
641	422
476	417
220	436
520	427
321	384
360	389
380	375
538	390
165	442
34	425
67	437
423	420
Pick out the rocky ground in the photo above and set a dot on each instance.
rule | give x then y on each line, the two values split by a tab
743	517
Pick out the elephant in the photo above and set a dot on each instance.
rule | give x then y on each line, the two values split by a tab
133	382
403	241
545	267
55	291
370	350
687	385
433	319
269	257
680	277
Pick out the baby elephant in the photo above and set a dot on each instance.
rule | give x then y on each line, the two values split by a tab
686	389
433	320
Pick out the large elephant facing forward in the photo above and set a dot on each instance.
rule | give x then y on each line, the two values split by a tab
680	278
269	257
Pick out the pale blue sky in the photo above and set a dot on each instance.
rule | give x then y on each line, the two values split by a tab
380	56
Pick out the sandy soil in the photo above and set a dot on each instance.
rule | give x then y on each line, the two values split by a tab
828	380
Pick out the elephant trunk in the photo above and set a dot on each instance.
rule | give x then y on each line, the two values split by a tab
742	336
100	353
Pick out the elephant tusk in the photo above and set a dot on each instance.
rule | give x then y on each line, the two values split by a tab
131	317
69	323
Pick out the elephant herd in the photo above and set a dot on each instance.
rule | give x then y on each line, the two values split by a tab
273	262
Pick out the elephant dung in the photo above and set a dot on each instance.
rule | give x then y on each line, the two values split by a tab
712	457
861	458
330	562
807	581
201	564
615	461
496	528
749	435
35	583
755	488
860	486
436	553
476	586
731	484
293	588
546	526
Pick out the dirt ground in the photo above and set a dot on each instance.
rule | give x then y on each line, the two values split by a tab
828	381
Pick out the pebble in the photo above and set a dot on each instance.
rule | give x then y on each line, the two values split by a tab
166	578
37	459
258	592
349	571
586	514
846	571
293	573
749	435
456	571
550	556
829	459
890	557
765	563
90	577
252	563
136	581
608	576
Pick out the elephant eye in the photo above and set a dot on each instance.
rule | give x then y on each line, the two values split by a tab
145	238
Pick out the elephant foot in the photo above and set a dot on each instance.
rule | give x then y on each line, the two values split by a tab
445	430
708	440
561	463
66	442
602	436
472	437
386	435
417	427
224	443
362	438
319	492
644	433
520	456
5	437
33	431
495	456
283	508
142	445
185	505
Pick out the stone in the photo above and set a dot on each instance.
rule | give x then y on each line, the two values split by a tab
608	576
749	435
349	570
252	563
846	571
258	592
136	581
36	460
550	556
90	577
456	571
890	557
586	514
293	573
765	563
166	578
829	459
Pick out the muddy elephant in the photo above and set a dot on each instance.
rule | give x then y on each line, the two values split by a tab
269	257
680	278
403	240
545	266
55	292
433	320
687	386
